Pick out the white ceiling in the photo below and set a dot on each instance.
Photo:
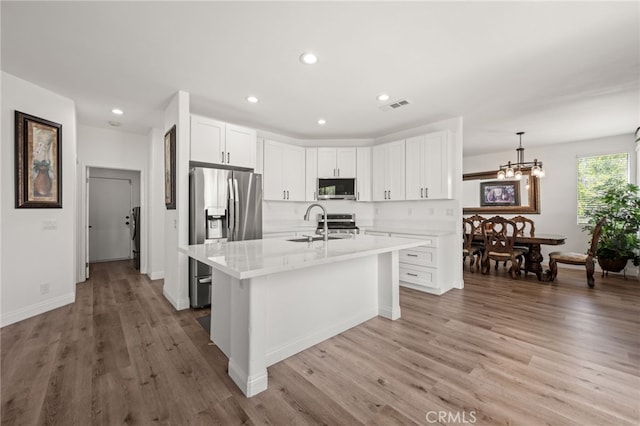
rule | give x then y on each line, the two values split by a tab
560	71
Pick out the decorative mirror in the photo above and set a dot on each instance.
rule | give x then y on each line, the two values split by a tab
484	193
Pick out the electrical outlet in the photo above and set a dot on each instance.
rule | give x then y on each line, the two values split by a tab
44	288
175	223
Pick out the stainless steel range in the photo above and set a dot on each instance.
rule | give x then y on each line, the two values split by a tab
338	223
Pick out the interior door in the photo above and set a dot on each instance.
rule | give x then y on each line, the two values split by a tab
109	219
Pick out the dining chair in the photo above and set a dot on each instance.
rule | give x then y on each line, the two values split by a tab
525	227
499	235
470	248
571	258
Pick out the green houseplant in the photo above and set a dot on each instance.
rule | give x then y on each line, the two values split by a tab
619	203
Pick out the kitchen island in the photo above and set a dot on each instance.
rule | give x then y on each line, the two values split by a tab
274	298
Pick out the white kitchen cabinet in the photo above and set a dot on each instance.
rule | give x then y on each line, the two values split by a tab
337	162
216	142
363	174
427	267
240	146
284	172
428	166
311	172
389	178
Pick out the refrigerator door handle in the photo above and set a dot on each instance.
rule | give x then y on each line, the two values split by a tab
232	211
236	209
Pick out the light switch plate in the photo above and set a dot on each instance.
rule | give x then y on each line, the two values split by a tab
49	224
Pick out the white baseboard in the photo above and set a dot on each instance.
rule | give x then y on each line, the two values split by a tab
36	309
155	275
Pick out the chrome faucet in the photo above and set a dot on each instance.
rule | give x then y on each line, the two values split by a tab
324	212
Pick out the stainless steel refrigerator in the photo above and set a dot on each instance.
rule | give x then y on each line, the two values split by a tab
224	205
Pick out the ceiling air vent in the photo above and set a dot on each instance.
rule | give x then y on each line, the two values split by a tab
395	105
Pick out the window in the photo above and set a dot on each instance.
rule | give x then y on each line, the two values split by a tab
595	173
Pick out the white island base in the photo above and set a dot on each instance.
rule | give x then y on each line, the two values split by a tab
316	292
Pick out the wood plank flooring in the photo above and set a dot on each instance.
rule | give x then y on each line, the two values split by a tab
500	351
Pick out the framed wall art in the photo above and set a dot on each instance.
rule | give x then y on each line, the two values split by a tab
500	193
38	162
170	168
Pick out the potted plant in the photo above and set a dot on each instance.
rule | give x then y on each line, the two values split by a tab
619	204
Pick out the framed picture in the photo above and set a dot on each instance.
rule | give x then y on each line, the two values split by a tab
170	168
38	162
500	193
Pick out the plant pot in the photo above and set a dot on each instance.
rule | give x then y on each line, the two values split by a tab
612	264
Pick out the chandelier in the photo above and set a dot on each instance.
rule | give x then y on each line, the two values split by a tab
514	170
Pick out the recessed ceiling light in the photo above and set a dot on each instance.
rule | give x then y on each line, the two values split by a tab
383	97
117	111
308	58
322	121
252	99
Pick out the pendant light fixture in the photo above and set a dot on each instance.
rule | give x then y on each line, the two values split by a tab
514	170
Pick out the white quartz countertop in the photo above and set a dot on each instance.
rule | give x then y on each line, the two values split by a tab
254	258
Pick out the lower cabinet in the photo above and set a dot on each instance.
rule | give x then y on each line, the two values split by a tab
426	268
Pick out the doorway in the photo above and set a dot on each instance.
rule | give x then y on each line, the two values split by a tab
111	196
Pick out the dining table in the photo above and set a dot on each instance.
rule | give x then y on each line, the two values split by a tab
534	256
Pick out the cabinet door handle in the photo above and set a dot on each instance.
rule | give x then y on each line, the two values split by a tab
412	255
222	156
385	195
426	193
389	194
338	172
284	195
358	197
314	195
287	194
413	275
421	193
228	157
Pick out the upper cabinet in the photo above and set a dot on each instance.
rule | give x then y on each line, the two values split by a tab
284	172
388	162
363	176
311	181
428	166
337	162
216	142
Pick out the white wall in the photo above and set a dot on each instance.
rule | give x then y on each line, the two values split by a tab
176	222
112	149
558	189
155	240
32	256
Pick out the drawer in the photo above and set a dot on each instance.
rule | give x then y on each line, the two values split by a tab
418	275
422	256
377	233
428	241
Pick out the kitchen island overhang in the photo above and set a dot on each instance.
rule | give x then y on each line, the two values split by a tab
274	298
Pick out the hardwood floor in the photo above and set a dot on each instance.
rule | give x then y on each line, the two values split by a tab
500	351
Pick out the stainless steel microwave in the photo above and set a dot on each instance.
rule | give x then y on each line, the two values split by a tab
337	189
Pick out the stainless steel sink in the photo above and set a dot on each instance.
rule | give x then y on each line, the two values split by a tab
314	238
